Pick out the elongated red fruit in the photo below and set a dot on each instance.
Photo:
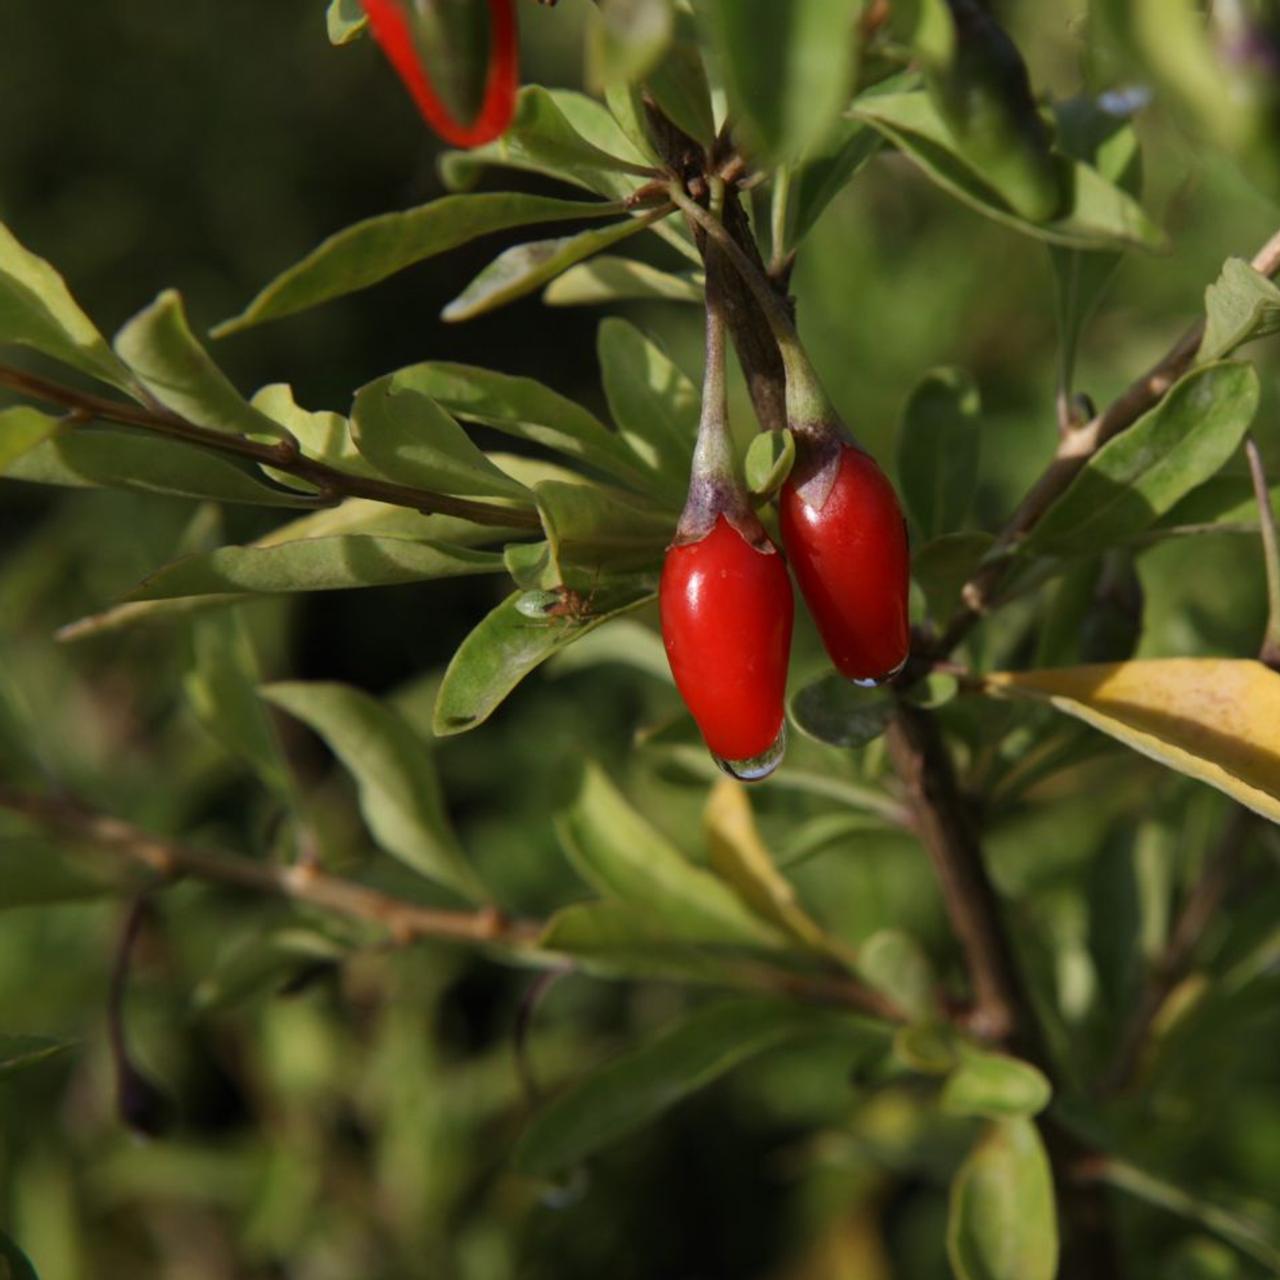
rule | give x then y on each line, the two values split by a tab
389	20
850	557
727	612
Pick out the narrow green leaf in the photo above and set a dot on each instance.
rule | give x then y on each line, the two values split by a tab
1002	1223
411	439
370	251
826	170
640	1085
38	311
894	963
654	405
221	684
262	962
400	795
939	444
770	457
679	86
1137	476
1241	305
525	267
994	1085
609	279
159	347
313	564
345	21
324	435
833	711
17	1052
21	429
616	851
942	567
507	645
788	68
525	409
1101	216
124	458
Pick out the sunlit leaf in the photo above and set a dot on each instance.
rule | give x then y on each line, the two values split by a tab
324	434
1139	474
591	524
1216	719
1241	305
38	311
370	251
626	859
609	279
21	429
526	267
507	645
994	1085
345	21
400	794
1002	1223
769	460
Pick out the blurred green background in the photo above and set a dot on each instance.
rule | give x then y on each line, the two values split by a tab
360	1127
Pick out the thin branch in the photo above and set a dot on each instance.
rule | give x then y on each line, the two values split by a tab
1270	651
404	922
283	456
1074	450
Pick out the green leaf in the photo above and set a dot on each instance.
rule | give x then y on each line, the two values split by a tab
17	1266
609	279
411	439
640	1085
626	642
543	139
345	20
221	684
324	435
17	1052
1002	1223
895	964
124	458
21	429
927	1048
679	86
938	450
525	409
525	267
400	794
994	1085
262	961
160	348
770	457
620	855
614	940
654	405
942	567
825	171
1241	305
507	645
788	68
1101	215
591	524
627	39
833	711
38	311
1138	475
313	564
378	247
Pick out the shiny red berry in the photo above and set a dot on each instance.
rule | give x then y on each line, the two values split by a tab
727	612
390	22
850	557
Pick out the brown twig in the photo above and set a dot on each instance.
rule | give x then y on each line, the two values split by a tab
283	456
1076	446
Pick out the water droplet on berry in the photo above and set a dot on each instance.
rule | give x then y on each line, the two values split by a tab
874	682
758	767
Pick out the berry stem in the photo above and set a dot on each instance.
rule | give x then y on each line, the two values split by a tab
809	409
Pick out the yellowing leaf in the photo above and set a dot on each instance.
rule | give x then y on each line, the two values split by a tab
1216	719
740	857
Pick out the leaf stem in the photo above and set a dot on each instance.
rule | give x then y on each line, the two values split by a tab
282	456
1270	651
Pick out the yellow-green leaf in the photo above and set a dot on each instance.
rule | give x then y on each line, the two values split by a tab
1216	719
